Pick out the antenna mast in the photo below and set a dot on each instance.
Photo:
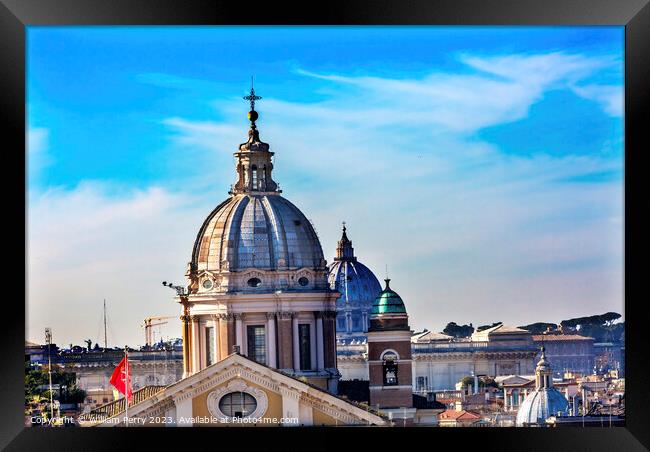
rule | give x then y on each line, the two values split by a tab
105	342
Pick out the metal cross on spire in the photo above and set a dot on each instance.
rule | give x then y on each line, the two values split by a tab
252	97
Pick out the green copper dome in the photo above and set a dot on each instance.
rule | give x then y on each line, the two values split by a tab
388	302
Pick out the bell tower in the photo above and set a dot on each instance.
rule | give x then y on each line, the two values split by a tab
389	357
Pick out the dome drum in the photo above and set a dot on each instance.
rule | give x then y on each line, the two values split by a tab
261	281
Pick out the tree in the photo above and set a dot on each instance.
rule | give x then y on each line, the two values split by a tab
37	379
601	327
609	318
486	381
452	329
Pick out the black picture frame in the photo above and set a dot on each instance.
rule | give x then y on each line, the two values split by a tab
16	15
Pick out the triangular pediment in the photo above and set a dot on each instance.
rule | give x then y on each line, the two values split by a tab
515	380
235	373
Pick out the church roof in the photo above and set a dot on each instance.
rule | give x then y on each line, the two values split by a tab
540	405
545	401
388	302
263	231
356	283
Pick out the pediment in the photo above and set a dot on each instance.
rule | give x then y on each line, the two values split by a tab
236	371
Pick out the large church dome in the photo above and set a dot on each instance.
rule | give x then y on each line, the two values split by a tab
358	287
256	240
263	231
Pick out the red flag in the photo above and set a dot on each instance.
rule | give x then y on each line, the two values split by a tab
119	378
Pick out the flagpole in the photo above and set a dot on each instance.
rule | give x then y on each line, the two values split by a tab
127	383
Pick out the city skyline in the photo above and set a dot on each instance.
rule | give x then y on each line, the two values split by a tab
483	165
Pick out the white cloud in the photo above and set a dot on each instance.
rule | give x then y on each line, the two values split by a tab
501	90
610	97
97	242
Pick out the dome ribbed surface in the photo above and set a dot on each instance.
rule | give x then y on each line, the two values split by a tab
356	283
388	302
540	405
257	231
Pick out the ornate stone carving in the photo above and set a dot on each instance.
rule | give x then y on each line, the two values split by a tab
237	385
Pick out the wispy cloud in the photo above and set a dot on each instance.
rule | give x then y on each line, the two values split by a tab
99	241
399	160
609	96
470	233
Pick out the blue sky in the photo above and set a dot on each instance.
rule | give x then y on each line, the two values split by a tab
483	165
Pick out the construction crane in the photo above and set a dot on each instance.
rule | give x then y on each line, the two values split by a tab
150	322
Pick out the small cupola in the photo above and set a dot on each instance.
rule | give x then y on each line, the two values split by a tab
254	159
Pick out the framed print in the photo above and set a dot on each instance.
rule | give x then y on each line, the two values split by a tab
395	218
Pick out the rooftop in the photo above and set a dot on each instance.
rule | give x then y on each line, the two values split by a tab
560	337
462	415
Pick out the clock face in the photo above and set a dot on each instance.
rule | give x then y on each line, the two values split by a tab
207	284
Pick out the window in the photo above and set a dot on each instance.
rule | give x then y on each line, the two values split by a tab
254	170
304	341
207	284
303	281
237	404
356	322
340	323
209	346
254	282
421	383
256	336
390	369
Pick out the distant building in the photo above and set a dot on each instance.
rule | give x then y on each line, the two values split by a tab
93	369
568	352
459	417
609	356
440	361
